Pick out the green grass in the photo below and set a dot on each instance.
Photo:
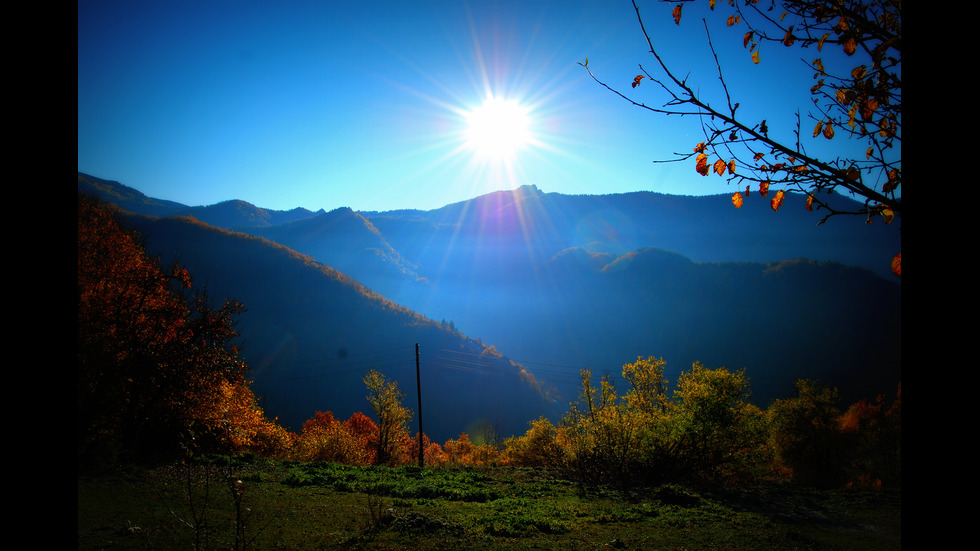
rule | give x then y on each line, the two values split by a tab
324	506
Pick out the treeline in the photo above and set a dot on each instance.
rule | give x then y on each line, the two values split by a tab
705	431
160	376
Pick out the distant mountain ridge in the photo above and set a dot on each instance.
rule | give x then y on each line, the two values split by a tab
561	282
229	214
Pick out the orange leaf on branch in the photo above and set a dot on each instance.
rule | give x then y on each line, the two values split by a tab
828	130
636	81
702	166
677	14
720	167
897	265
821	41
764	188
737	200
777	201
789	39
888	214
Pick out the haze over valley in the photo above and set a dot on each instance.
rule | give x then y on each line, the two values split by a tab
510	294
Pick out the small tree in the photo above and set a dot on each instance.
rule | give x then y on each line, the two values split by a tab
806	436
538	447
713	420
393	417
859	98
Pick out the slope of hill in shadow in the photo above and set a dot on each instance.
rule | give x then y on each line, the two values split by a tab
312	333
126	197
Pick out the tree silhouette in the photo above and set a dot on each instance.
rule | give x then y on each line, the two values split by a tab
859	100
157	368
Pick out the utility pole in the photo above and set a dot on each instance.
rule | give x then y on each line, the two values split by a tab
418	386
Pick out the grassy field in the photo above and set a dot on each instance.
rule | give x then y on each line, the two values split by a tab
258	504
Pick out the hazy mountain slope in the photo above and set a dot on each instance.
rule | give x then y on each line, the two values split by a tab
311	333
346	241
705	228
237	214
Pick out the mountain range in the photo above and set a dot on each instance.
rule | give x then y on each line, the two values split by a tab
557	283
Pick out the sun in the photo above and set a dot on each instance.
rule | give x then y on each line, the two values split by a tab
498	129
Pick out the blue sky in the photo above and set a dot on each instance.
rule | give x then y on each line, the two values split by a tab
362	104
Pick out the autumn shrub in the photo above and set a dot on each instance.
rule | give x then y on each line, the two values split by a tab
235	423
806	437
323	438
538	447
707	431
717	427
459	451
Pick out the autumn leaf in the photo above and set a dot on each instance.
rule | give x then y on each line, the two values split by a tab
677	14
828	130
850	46
764	188
809	202
700	148
789	39
897	265
720	167
868	108
731	166
737	200
888	214
817	129
755	57
747	38
746	190
636	81
892	183
777	201
702	166
821	41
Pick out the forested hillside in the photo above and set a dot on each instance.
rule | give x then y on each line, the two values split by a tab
311	333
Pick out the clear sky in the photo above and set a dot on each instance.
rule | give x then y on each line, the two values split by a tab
366	104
